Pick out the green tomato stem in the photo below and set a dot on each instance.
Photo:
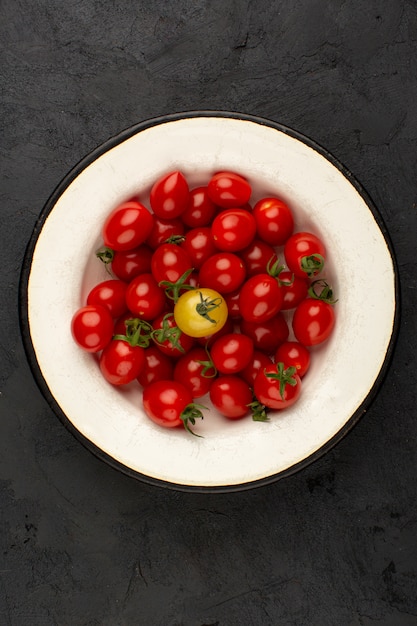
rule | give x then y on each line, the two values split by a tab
190	414
173	289
168	333
138	333
274	268
313	264
205	306
284	376
325	294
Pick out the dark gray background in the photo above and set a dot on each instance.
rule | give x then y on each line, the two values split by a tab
81	544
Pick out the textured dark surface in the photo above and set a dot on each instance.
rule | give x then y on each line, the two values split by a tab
81	544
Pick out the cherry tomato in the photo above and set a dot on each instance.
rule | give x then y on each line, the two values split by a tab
157	366
260	298
233	304
274	221
231	396
199	244
164	230
130	263
277	387
313	321
144	298
267	335
229	190
223	272
133	329
295	354
258	361
92	327
170	195
200	312
231	353
207	340
169	337
168	403
233	229
170	262
195	371
120	362
294	289
305	254
127	226
120	323
257	256
111	294
200	209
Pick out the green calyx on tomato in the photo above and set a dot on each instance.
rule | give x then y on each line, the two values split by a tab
168	333
325	294
313	264
106	256
274	267
190	414
172	290
208	366
177	239
285	376
138	333
207	305
259	411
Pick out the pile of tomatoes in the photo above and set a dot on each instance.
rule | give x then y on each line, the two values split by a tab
199	302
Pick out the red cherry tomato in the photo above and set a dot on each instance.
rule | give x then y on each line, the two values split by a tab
313	321
168	403
295	354
231	396
260	298
294	289
233	229
229	190
130	263
120	362
233	304
224	272
127	226
157	366
169	338
120	324
199	244
305	254
170	262
274	221
170	195
195	372
200	210
258	361
257	256
144	297
267	335
277	387
208	340
231	353
164	230
92	327
111	294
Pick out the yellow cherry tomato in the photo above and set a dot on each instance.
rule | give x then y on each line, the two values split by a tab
200	312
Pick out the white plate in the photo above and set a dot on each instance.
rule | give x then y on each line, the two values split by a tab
60	268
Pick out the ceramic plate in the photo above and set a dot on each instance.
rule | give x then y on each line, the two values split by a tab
60	268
